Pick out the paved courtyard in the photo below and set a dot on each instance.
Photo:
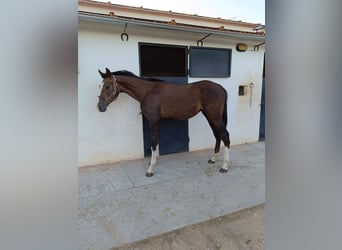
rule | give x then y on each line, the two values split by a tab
118	204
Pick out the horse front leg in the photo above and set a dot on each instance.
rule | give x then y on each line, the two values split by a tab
154	127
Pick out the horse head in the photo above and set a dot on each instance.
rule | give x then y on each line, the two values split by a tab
109	91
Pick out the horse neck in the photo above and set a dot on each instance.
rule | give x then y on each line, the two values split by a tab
134	87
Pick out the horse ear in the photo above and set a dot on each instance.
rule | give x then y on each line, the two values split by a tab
108	73
103	75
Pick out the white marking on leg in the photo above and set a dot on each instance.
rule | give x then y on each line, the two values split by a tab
226	158
153	161
213	157
157	150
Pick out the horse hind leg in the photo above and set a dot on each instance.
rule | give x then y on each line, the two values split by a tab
212	159
216	151
157	151
221	133
153	162
154	127
226	141
224	168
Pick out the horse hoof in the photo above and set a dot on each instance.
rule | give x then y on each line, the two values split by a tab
149	174
222	170
211	161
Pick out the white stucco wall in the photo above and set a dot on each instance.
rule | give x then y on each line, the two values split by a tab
117	134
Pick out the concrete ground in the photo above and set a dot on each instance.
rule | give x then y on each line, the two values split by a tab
118	204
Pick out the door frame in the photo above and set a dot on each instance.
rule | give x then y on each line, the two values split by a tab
177	145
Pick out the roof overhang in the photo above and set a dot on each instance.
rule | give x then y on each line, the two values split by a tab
103	18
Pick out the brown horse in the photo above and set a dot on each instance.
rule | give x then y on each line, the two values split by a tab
161	100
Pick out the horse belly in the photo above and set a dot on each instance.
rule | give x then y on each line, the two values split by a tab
180	109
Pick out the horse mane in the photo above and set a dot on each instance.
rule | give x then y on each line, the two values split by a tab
128	73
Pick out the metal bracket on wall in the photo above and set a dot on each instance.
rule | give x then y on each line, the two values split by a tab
251	85
124	35
256	47
200	41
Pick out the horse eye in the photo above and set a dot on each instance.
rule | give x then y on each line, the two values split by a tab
107	87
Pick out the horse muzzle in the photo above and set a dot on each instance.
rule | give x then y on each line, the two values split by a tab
101	107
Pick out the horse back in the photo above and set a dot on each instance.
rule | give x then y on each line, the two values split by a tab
184	101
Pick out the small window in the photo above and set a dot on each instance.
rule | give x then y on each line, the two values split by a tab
158	60
210	62
242	90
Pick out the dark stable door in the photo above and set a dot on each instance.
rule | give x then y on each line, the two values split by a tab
174	135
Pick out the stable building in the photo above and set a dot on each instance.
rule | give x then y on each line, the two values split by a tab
176	47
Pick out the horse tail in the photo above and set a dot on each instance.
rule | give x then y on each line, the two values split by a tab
224	115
